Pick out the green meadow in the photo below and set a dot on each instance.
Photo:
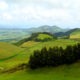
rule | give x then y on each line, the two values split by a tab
70	72
12	56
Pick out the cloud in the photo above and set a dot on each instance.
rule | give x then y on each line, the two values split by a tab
39	12
7	16
3	5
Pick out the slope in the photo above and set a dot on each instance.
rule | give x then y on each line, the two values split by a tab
8	50
75	34
71	34
38	37
16	56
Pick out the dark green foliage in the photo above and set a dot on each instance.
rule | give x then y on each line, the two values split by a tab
54	56
69	55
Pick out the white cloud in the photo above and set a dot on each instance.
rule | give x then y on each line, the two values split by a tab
41	11
7	16
3	5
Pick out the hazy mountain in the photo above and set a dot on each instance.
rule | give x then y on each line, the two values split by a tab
8	34
46	28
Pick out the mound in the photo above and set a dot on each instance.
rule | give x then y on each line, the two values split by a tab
38	37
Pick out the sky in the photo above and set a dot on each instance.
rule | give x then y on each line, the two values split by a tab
34	13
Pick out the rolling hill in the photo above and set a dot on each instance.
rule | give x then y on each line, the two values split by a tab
75	34
11	55
38	37
8	50
71	34
69	72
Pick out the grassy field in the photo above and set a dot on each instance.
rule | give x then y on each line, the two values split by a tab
12	35
8	50
18	55
75	34
70	72
38	45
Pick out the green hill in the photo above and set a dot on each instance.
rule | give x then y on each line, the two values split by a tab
44	36
8	50
38	37
75	34
13	55
71	34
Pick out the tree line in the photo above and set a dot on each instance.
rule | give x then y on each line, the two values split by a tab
54	56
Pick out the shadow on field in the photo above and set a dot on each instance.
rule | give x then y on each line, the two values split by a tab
16	68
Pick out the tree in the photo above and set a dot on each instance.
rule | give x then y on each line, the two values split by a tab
54	56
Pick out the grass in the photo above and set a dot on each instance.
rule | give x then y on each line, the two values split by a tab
29	47
13	55
11	59
23	56
75	34
7	50
44	36
29	44
65	72
38	45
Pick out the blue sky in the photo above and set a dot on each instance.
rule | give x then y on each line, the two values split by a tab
33	13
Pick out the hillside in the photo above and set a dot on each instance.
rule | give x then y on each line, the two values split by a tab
11	56
32	45
15	55
8	50
72	34
38	37
75	34
68	72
